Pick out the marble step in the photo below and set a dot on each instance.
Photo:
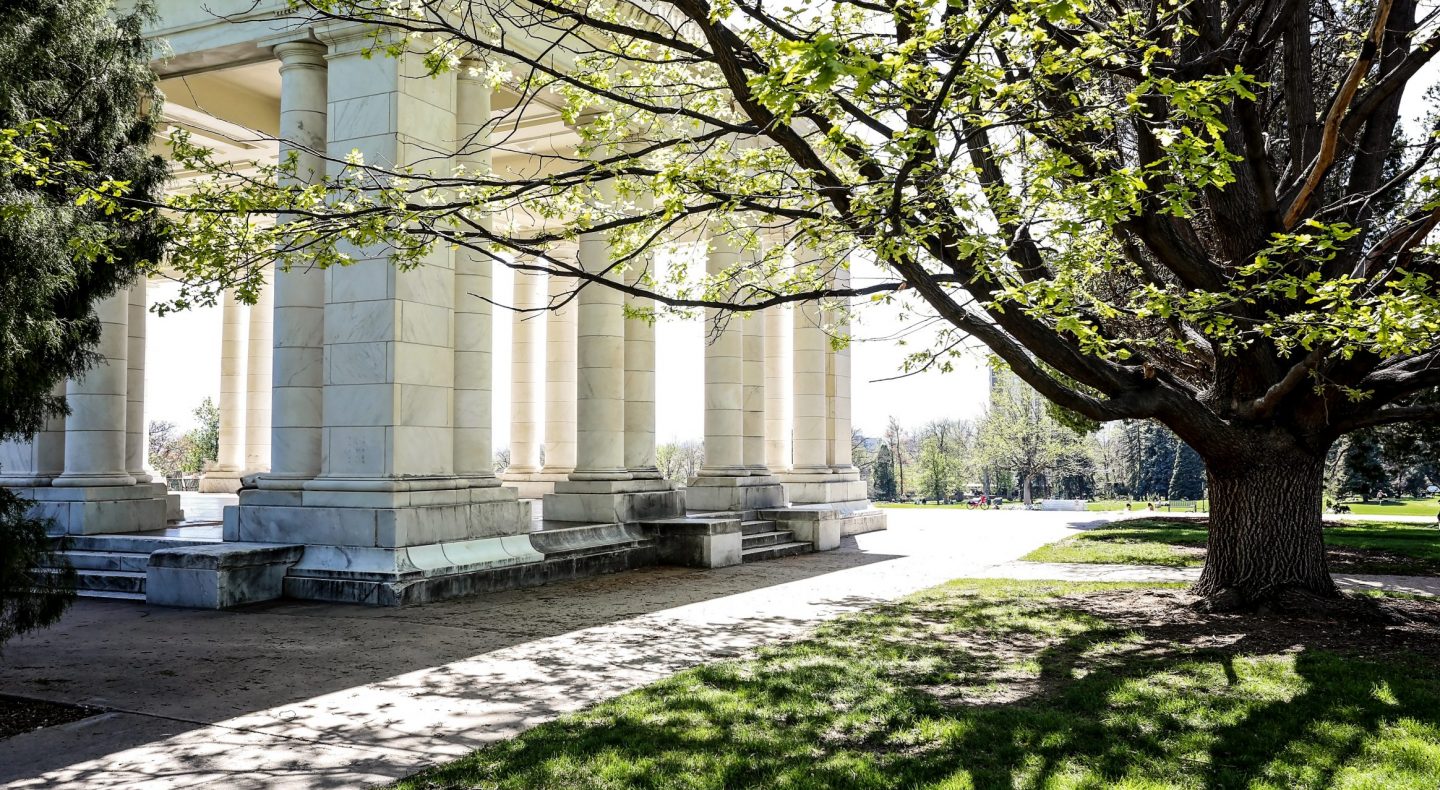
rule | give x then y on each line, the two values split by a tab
756	527
101	584
758	539
774	551
129	544
107	561
116	596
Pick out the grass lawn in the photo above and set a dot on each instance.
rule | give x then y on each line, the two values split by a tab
1015	684
1354	546
1396	507
1119	504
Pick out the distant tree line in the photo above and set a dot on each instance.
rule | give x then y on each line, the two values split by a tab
173	453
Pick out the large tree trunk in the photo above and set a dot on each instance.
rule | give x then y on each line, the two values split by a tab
1265	527
1029	502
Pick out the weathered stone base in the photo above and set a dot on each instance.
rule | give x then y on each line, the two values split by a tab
532	485
220	481
96	510
715	494
838	492
218	575
619	501
474	567
387	542
697	542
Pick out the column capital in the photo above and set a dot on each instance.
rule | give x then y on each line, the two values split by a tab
300	54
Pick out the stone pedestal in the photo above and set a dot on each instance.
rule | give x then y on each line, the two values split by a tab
417	541
729	494
613	501
533	485
96	510
844	492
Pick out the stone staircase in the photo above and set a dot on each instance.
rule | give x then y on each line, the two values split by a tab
113	566
762	541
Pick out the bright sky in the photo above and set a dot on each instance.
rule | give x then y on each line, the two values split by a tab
183	357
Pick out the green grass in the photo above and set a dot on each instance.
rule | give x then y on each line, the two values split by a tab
995	685
1177	506
1137	542
1397	507
1409	549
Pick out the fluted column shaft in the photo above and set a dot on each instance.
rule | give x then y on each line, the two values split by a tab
724	376
600	374
811	380
95	429
258	380
474	320
526	379
299	298
841	449
561	342
753	393
135	433
777	389
234	331
639	386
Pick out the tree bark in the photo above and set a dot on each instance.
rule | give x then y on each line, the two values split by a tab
1028	501
1265	528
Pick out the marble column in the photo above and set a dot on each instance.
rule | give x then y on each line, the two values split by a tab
600	369
810	453
224	476
734	476
258	379
753	394
601	489
561	343
822	473
639	382
95	428
474	319
724	375
136	435
777	388
297	363
389	520
526	378
38	461
841	447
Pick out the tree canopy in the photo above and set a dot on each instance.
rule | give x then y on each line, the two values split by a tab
77	117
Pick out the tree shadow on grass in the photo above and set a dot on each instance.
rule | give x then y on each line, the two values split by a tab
1009	687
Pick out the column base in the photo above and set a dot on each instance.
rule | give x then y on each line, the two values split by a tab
533	485
417	541
613	501
220	481
707	494
843	492
99	510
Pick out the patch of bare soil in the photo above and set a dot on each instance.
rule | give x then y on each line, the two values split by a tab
19	715
1353	625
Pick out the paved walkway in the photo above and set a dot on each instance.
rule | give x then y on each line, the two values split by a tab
317	695
1074	571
